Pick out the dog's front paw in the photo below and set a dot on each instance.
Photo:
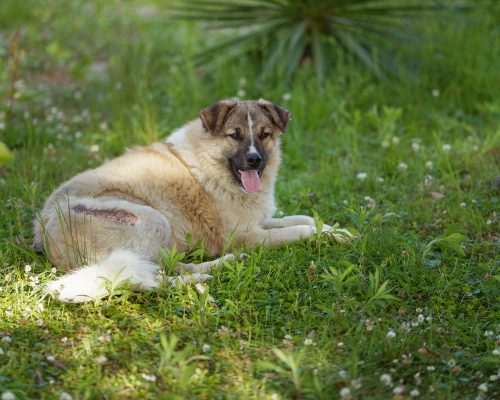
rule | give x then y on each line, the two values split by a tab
339	234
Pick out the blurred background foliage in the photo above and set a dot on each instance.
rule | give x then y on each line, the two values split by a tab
282	35
157	50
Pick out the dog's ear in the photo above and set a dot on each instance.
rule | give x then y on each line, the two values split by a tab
213	117
279	115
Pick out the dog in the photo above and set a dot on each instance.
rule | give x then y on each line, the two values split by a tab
212	181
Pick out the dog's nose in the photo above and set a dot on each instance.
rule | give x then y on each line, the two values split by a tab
254	160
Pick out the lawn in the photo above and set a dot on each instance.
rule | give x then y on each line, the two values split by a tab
410	310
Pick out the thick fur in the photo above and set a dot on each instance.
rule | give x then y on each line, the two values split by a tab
116	218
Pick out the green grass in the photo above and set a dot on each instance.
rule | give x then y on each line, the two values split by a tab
303	321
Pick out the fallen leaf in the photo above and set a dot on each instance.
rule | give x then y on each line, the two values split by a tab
436	195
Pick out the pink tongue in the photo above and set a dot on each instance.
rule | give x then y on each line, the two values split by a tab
250	180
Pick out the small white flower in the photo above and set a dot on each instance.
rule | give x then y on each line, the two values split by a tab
414	393
241	93
287	96
275	396
41	307
7	340
40	322
451	363
483	387
385	144
103	126
446	147
405	327
402	166
94	148
27	268
431	368
1	351
361	176
65	396
356	384
488	333
395	140
390	335
53	270
8	395
340	344
380	179
104	338
493	378
429	165
488	222
288	337
50	357
2	127
386	379
420	318
398	389
496	352
102	359
342	374
463	205
206	348
223	330
415	146
345	392
435	92
149	377
308	341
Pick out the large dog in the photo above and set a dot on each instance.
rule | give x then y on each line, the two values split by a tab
213	180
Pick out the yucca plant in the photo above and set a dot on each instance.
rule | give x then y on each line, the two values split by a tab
288	33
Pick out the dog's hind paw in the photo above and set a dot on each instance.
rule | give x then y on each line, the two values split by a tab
182	280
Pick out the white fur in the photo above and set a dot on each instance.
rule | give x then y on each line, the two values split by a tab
178	134
252	148
92	282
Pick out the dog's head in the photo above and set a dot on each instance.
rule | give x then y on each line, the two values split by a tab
247	133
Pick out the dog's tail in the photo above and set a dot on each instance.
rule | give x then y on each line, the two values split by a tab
94	281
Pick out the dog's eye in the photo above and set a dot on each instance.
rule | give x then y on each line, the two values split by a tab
235	135
265	134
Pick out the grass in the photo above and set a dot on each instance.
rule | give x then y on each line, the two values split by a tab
412	165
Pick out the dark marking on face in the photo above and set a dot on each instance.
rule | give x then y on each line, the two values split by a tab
213	116
115	214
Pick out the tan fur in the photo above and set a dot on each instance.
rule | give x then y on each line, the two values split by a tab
153	197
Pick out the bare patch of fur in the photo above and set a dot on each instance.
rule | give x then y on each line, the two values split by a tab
116	215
